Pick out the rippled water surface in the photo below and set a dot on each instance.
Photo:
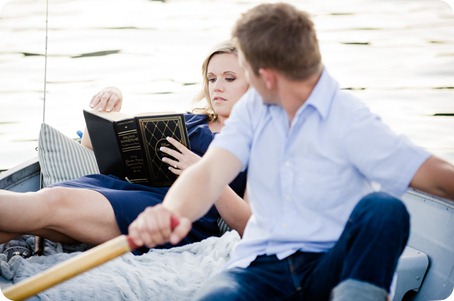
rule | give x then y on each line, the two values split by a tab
398	56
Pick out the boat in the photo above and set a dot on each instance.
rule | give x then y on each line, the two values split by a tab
426	267
22	178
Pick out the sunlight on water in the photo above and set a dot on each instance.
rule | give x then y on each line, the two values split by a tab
2	3
396	55
450	3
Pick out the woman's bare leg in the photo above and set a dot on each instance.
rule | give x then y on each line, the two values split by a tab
53	235
59	214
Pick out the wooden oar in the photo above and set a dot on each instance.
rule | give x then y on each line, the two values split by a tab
73	267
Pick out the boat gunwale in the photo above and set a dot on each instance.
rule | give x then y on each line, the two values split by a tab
20	175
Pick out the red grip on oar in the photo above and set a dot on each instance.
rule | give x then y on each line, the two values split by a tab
174	222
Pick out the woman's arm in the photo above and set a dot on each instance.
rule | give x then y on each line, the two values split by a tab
234	209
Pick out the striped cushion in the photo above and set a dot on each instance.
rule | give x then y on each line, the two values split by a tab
62	158
223	227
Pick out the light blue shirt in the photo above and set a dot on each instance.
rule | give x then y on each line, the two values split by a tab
304	179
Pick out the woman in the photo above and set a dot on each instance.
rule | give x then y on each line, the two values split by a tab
97	208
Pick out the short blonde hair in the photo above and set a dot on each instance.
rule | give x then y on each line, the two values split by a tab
281	37
204	94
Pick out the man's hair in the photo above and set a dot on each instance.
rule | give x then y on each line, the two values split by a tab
280	37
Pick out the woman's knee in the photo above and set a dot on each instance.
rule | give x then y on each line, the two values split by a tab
55	197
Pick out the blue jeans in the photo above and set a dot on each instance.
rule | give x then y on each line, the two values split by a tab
368	250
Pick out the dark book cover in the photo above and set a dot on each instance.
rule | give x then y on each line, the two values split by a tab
128	147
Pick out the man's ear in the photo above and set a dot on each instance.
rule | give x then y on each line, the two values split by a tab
269	77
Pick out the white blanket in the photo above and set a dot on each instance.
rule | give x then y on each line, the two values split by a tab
173	274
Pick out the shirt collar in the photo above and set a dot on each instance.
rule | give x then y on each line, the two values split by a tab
322	96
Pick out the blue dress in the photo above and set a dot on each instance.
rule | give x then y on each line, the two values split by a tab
128	200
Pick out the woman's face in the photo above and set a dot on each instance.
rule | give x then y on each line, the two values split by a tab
226	82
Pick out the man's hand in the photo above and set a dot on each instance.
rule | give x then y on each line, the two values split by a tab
157	225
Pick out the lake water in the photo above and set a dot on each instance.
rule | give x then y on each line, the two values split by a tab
396	55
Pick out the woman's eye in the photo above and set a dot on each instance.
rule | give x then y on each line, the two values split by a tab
211	80
230	79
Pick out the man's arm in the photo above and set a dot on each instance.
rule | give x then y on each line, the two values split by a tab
435	176
189	198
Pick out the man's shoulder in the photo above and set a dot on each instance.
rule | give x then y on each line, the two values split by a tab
347	103
251	101
252	96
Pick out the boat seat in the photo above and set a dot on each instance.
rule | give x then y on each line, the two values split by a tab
411	269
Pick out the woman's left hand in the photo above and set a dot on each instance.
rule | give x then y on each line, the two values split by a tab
107	100
178	160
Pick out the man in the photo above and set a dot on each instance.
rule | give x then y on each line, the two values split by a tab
314	155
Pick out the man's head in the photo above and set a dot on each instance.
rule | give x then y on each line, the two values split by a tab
280	37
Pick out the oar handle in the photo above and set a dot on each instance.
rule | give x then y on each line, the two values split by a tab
74	266
68	269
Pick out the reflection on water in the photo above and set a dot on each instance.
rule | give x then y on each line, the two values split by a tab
398	56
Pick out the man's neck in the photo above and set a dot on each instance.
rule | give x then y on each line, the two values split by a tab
294	94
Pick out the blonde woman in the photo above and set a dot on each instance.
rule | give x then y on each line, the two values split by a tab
96	208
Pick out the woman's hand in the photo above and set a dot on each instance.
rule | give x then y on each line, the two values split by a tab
179	160
107	100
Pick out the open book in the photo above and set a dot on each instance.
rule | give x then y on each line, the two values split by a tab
128	147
